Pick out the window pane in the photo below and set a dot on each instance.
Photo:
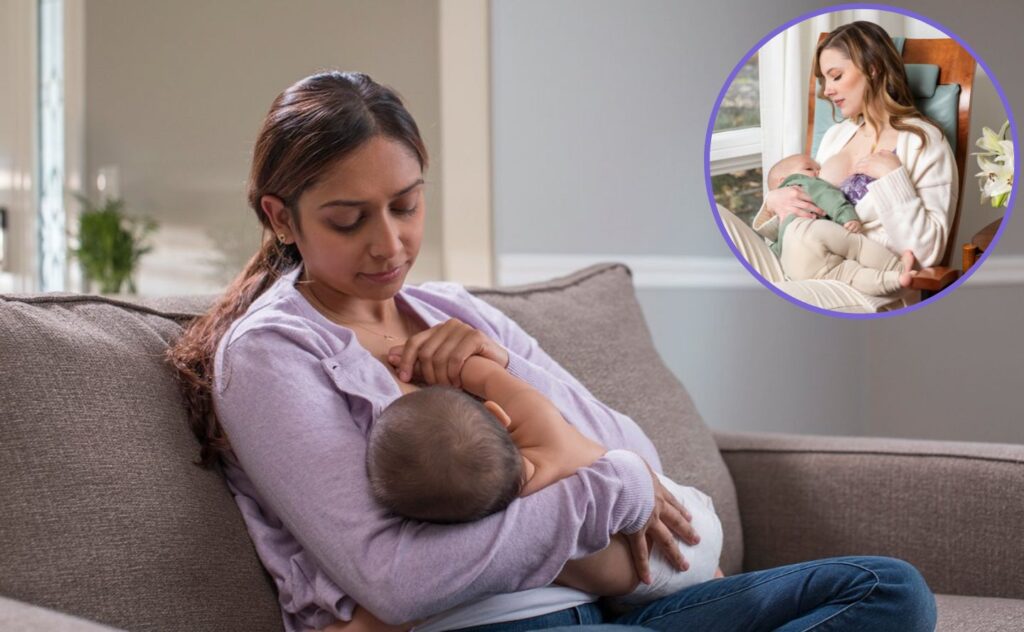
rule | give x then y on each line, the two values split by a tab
741	103
52	230
740	192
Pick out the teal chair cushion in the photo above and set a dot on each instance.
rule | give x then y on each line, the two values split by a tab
944	109
923	78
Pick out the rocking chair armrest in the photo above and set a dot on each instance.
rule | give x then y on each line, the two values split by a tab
934	279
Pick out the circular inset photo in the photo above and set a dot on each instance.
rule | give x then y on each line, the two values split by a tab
860	162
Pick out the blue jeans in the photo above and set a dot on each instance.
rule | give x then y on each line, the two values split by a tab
841	593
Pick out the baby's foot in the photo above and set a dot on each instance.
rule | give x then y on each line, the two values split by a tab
909	261
909	272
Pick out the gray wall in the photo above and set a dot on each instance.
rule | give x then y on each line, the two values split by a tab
600	113
600	110
176	93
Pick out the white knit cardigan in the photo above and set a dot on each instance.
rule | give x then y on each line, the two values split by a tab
910	208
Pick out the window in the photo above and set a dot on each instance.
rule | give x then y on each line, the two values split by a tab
736	175
52	240
740	107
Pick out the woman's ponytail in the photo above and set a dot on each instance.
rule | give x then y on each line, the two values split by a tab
193	352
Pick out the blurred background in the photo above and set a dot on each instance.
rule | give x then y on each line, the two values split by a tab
562	133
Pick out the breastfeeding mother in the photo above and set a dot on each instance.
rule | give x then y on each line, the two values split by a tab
893	164
287	372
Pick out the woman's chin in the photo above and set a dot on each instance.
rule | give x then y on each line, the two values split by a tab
386	288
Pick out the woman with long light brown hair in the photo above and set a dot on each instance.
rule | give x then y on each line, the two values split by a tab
893	163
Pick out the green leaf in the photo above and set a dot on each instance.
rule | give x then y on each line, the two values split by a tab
111	243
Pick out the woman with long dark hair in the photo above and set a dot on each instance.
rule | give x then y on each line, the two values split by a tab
287	372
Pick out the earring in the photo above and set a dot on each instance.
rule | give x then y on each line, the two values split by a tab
280	237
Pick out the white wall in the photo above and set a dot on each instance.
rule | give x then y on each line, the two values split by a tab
176	92
18	144
600	111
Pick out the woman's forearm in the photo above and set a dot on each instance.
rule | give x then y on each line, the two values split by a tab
608	573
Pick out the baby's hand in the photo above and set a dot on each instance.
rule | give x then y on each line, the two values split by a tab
853	226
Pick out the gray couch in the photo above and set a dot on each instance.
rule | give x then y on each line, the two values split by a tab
104	518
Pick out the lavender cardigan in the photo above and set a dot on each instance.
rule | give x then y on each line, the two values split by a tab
297	395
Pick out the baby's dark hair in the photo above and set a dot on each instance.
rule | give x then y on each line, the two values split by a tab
438	455
781	170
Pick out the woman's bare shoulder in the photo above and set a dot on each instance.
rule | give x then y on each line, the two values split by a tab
835	138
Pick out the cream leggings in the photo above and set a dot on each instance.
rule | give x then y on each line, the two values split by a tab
822	249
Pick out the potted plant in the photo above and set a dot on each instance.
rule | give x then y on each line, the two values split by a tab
110	245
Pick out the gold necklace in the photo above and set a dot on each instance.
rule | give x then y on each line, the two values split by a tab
341	321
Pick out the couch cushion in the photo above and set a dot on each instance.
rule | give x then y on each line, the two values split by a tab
104	514
592	324
979	614
95	452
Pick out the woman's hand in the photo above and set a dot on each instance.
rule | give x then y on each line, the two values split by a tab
878	164
437	354
668	520
786	201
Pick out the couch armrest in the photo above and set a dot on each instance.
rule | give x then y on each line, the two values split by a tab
18	615
953	509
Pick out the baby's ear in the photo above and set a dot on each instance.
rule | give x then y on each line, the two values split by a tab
529	469
498	412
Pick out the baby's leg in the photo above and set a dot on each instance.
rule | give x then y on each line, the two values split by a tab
803	255
869	267
702	557
867	280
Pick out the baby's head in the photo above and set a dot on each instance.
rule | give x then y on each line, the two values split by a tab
797	163
437	454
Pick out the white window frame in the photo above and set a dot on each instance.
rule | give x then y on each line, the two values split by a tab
735	150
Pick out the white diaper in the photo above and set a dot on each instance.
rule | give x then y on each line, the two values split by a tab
702	558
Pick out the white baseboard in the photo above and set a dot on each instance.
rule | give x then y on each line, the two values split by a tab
664	272
648	271
998	270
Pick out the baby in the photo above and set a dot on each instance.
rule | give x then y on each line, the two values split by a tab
440	455
810	249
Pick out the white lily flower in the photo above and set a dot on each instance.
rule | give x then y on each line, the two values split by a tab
989	140
996	163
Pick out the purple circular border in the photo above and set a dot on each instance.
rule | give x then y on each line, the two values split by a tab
771	286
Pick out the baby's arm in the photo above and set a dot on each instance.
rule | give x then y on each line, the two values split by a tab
554	447
609	572
488	380
835	204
